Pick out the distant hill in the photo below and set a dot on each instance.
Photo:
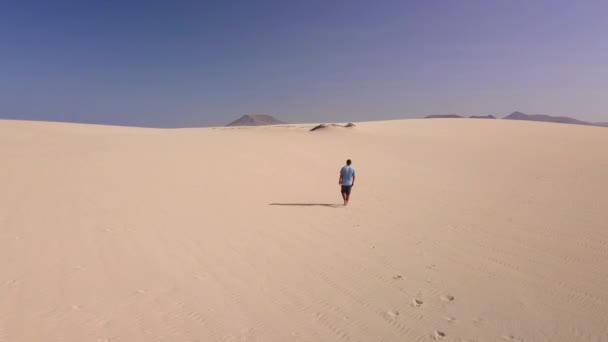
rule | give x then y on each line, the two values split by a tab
482	117
255	120
444	116
545	118
523	116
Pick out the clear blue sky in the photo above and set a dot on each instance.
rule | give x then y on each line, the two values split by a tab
185	63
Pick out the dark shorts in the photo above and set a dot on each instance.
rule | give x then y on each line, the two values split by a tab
346	189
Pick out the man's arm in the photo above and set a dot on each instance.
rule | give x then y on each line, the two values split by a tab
340	179
353	180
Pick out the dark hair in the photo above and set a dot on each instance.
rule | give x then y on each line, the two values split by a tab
348	162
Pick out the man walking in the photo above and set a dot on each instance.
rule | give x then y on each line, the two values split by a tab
347	181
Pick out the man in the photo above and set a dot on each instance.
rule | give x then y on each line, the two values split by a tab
347	181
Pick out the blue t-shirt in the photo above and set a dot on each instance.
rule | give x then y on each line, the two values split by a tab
347	173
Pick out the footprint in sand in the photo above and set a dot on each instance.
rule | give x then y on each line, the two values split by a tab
511	338
417	302
438	335
478	320
397	277
447	298
393	314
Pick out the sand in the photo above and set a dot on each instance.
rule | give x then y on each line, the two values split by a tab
458	230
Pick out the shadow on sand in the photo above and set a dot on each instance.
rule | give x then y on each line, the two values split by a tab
308	205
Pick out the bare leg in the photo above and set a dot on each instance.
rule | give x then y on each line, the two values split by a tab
346	197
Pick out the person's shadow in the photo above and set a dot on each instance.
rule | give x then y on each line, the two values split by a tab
328	205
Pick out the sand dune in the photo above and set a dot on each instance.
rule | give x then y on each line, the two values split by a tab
468	230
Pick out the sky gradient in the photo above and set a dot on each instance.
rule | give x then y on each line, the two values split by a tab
205	63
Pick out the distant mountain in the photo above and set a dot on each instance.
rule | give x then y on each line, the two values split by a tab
482	117
255	120
444	116
545	118
523	116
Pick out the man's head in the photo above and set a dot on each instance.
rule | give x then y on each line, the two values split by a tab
348	162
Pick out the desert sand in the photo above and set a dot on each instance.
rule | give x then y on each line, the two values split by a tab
458	230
